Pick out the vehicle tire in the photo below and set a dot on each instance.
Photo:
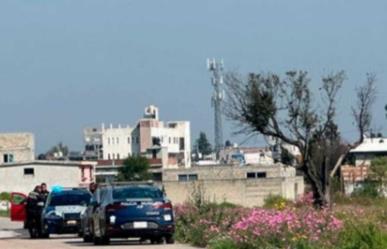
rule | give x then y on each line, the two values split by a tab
45	236
98	241
169	239
156	240
87	238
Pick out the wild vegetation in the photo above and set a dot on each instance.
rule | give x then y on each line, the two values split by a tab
285	224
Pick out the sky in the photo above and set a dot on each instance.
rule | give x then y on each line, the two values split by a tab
70	64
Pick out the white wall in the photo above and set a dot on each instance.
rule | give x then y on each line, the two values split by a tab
12	178
117	143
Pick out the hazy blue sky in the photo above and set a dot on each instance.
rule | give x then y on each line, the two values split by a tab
69	64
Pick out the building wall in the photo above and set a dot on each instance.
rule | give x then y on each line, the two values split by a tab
117	142
170	136
230	172
14	179
20	145
245	192
228	183
93	143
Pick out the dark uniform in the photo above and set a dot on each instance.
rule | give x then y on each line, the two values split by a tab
35	205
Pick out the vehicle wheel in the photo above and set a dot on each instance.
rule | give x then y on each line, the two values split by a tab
45	236
87	238
157	240
101	241
105	240
169	239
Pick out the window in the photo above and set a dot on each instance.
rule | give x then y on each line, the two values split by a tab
118	156
183	178
251	175
109	156
29	171
181	144
128	140
187	177
114	156
169	140
118	140
254	175
156	141
158	177
8	158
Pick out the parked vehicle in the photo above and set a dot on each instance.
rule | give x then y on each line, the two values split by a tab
129	210
63	209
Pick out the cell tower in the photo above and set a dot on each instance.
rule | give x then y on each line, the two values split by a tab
216	68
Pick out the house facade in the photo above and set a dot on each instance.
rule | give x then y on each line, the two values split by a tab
246	186
24	176
369	149
16	147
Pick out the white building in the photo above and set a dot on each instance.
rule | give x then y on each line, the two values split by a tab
24	176
165	144
116	142
93	144
369	149
247	155
16	147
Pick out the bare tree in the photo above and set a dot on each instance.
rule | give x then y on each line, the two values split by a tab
286	110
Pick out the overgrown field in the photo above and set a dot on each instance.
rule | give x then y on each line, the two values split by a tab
352	223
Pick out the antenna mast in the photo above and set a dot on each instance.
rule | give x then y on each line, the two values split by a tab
216	68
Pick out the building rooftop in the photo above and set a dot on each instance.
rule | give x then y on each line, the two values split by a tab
371	145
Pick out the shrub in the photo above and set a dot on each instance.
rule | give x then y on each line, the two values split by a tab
362	235
4	196
199	225
223	244
280	228
275	201
369	189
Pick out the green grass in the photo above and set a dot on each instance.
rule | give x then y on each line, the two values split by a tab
4	213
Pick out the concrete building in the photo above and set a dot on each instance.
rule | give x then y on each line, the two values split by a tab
93	144
16	147
24	176
165	144
116	142
247	155
247	186
353	177
369	149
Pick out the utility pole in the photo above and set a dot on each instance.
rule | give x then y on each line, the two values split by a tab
216	68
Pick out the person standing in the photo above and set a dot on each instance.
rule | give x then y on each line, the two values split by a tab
44	191
35	203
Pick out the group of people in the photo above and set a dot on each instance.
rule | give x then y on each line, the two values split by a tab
35	204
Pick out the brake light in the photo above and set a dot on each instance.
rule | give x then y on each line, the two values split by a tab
162	205
114	207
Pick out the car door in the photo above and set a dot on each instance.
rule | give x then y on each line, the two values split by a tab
18	206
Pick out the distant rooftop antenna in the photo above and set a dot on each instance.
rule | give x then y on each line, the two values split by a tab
216	68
